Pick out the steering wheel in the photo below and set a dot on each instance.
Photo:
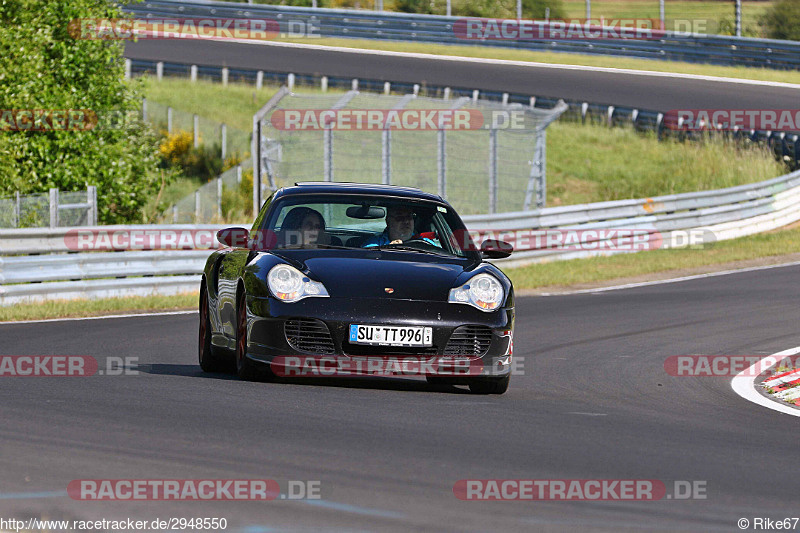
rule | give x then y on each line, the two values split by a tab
418	243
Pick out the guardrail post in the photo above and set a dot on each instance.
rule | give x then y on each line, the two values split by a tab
584	109
387	87
224	134
661	14
225	76
159	70
175	213
259	79
53	208
193	72
127	69
533	101
144	109
197	210
492	170
169	120
449	9
610	115
323	83
505	98
738	18
328	153
91	199
475	94
446	95
354	84
386	157
219	197
290	81
634	116
238	174
416	89
17	205
196	128
441	163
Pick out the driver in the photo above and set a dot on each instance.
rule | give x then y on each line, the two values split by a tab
399	228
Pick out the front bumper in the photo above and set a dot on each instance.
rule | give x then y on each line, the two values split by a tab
268	343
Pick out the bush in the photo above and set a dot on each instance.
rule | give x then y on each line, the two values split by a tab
782	20
177	150
43	67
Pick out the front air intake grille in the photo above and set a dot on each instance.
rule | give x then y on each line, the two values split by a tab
469	340
308	335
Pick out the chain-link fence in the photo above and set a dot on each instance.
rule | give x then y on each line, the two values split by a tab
215	201
227	139
495	164
51	209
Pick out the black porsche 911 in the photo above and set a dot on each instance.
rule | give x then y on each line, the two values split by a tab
351	272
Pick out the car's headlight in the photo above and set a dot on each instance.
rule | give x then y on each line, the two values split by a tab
482	291
289	284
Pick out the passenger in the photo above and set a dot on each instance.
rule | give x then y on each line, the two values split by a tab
304	226
399	228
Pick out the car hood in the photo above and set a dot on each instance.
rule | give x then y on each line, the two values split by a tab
410	276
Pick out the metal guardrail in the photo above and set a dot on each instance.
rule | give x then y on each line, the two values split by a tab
715	49
722	214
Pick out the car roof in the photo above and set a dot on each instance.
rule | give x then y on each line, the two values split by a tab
327	187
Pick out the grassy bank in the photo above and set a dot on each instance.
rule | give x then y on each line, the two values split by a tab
104	306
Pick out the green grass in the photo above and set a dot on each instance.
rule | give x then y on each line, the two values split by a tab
105	306
600	269
234	105
712	11
595	163
493	52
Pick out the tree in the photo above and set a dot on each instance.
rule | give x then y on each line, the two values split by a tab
43	67
782	20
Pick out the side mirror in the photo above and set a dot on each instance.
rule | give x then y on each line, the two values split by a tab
233	237
494	249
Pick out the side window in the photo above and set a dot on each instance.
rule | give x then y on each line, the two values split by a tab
260	218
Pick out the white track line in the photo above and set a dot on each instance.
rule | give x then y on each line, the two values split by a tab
670	280
744	383
103	317
508	62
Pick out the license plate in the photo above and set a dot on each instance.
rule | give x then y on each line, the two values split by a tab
391	335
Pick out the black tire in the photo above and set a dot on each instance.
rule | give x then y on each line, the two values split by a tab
489	385
246	368
208	357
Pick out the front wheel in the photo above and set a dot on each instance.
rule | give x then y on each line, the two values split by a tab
491	385
246	368
208	357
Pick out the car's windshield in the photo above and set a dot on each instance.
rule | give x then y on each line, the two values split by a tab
358	222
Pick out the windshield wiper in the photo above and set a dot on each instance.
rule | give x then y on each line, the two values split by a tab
402	248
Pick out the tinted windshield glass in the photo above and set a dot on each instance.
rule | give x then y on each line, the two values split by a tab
352	221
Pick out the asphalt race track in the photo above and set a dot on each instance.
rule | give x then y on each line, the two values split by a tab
594	403
646	92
